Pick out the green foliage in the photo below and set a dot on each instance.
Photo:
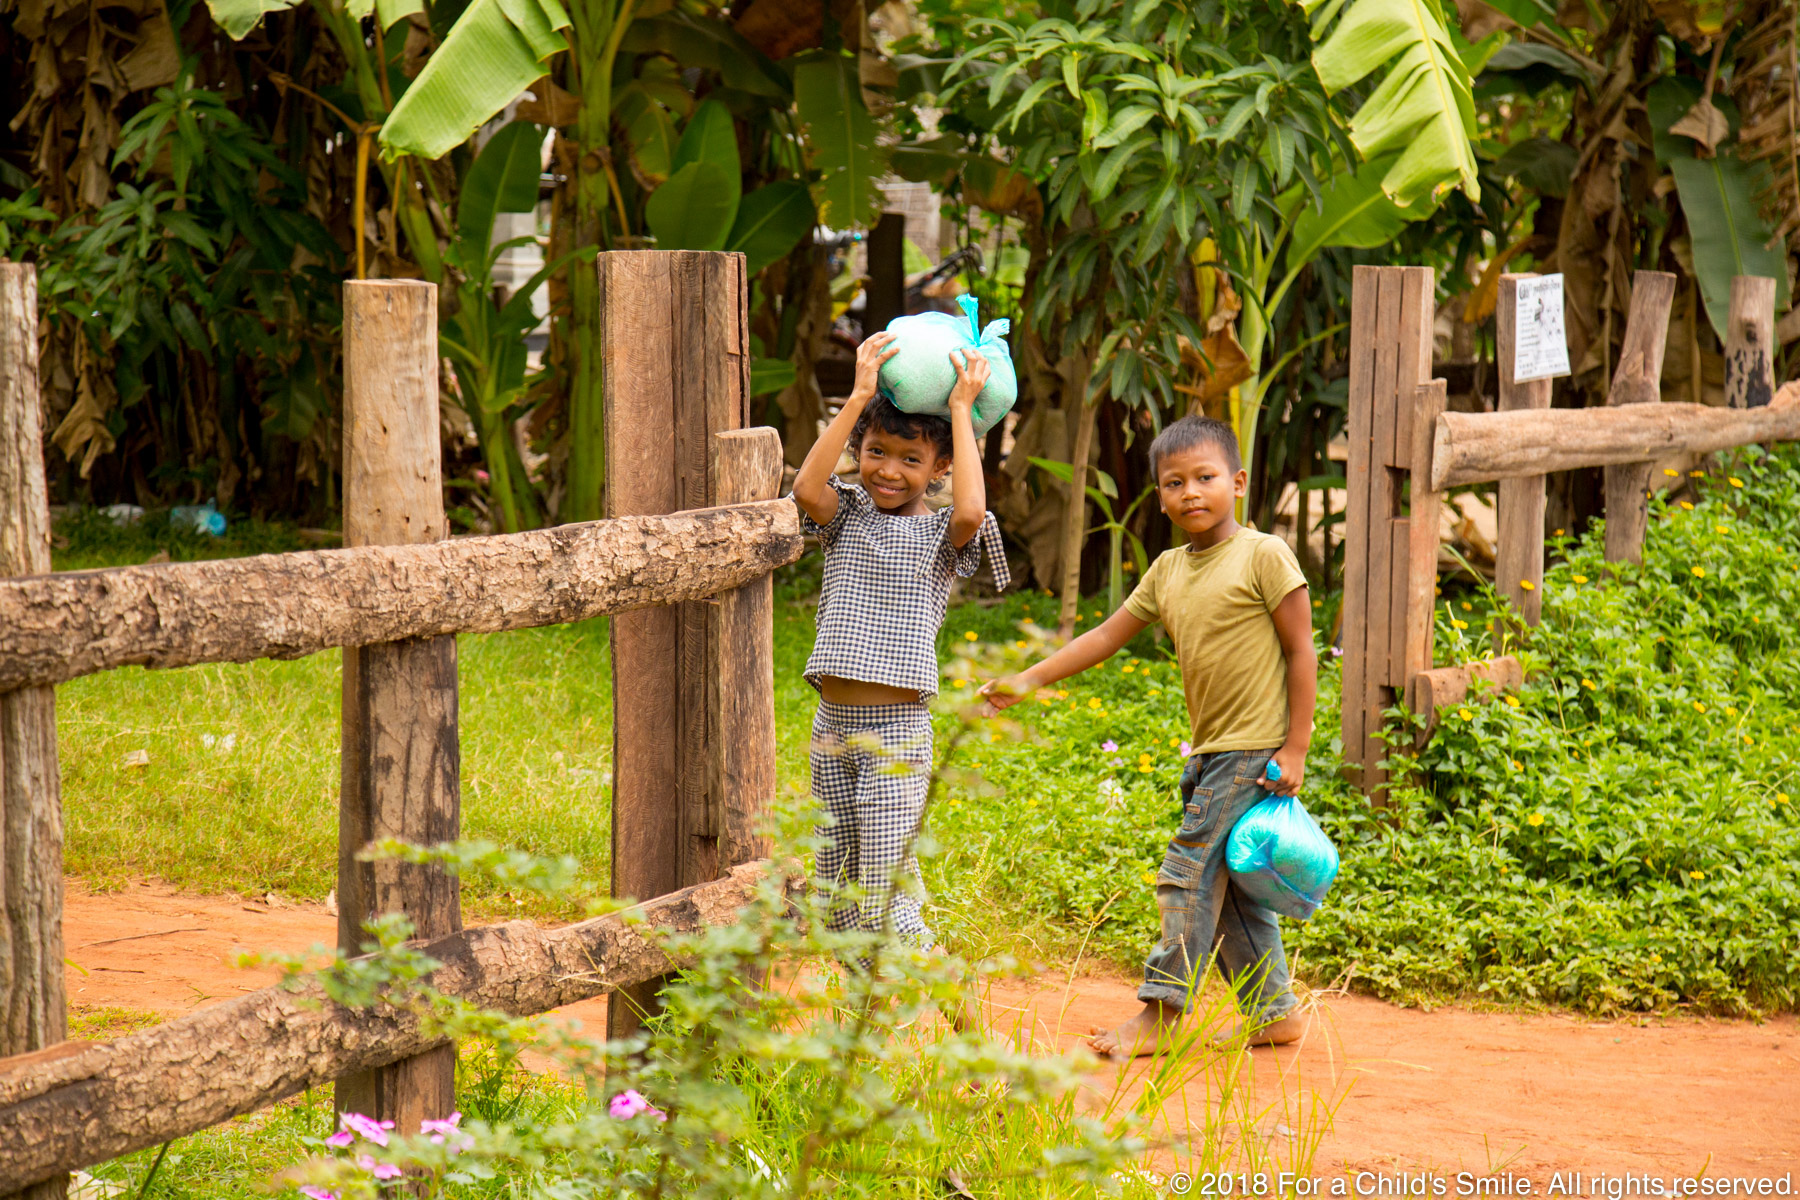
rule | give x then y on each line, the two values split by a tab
841	141
770	222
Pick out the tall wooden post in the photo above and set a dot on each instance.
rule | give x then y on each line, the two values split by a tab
677	362
33	1010
401	759
1750	342
1391	311
1519	554
1637	381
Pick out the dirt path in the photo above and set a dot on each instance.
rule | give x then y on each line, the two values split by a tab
1450	1090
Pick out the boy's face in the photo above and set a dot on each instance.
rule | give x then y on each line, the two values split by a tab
1197	487
896	470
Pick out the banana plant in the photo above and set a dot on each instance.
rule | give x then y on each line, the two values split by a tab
483	338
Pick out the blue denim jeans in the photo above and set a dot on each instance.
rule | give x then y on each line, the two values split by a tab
1203	911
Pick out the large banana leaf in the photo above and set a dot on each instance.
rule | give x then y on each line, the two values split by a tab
238	17
1729	235
709	44
496	50
840	141
693	209
1354	212
1424	109
503	178
770	222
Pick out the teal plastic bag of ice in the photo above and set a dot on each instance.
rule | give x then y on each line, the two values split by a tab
1278	855
919	378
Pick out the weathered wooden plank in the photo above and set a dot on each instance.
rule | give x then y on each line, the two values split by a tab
741	751
82	1103
401	760
1638	380
1383	503
1519	546
33	1013
1422	546
1478	447
59	627
1365	287
1750	342
1431	690
1413	369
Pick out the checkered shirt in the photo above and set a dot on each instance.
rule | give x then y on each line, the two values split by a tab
887	580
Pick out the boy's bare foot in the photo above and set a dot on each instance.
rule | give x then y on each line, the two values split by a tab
1288	1029
1148	1032
965	1015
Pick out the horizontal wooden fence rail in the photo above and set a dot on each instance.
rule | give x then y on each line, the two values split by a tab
79	1103
58	627
1482	447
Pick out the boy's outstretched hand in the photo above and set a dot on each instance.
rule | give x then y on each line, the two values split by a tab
972	373
1292	761
870	355
1002	693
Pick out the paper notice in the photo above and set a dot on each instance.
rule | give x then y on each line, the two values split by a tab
1540	346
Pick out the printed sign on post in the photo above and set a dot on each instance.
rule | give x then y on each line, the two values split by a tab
1540	346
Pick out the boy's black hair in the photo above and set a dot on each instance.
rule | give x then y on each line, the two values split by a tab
1190	433
882	415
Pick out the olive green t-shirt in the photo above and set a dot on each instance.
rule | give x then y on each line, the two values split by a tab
1216	605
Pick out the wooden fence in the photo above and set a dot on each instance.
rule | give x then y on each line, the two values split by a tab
682	563
1406	451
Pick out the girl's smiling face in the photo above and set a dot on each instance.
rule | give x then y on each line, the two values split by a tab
896	470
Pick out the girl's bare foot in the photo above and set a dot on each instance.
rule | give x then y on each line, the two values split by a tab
1148	1032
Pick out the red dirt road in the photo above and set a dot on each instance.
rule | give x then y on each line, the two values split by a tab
1445	1091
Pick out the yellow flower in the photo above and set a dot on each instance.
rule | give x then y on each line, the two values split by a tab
1535	819
1699	707
1031	802
1513	700
1099	614
1781	797
1685	505
1145	770
1134	661
1528	585
1558	533
1748	740
1156	691
1588	684
1175	743
1467	607
1093	702
1734	481
1465	714
993	737
1103	712
962	683
1696	874
1455	624
1730	710
1720	529
1656	958
1318	604
1062	695
1671	474
1127	670
1698	474
1697	572
1580	578
1517	765
1143	759
968	635
1020	643
1150	878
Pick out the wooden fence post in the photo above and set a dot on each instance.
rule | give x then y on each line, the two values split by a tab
1750	342
1519	552
1391	311
33	1010
401	758
675	345
1638	380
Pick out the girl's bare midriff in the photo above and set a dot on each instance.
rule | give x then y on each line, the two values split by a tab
859	693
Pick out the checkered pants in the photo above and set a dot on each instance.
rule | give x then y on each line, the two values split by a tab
871	766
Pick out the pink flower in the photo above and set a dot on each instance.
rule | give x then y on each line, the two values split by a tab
440	1131
340	1139
481	476
1109	746
368	1127
630	1102
380	1170
1186	750
318	1193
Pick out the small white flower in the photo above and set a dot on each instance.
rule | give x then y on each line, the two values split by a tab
1112	796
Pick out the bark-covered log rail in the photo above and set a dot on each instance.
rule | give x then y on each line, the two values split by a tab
80	1103
1482	447
58	627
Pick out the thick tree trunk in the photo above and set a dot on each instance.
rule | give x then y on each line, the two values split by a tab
82	1103
33	1013
60	627
1479	447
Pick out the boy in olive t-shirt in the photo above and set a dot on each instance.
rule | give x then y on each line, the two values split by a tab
1235	605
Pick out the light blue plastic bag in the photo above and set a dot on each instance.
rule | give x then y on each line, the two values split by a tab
920	377
1278	854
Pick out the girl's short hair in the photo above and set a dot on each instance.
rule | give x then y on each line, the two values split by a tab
1190	433
883	416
